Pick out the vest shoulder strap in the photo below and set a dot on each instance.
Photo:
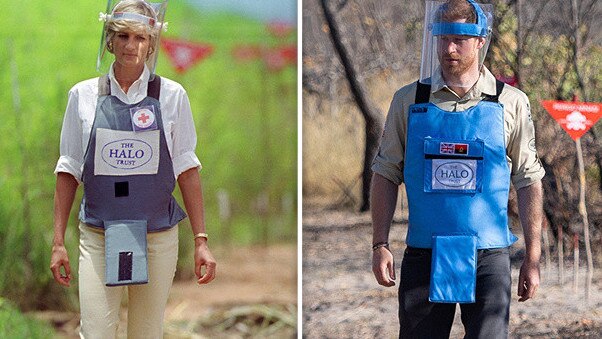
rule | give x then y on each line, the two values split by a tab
423	93
104	86
153	90
499	87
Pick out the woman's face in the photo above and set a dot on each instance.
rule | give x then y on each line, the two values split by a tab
131	48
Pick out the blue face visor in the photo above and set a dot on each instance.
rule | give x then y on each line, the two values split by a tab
457	28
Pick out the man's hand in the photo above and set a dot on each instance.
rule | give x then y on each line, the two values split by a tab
383	266
203	257
530	211
383	197
528	280
58	260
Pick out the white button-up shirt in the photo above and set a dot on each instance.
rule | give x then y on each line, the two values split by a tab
176	114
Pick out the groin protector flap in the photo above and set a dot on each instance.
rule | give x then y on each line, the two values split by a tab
453	269
125	252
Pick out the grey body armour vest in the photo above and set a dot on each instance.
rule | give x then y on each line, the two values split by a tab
120	196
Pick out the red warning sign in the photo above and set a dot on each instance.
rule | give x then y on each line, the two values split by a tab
575	117
185	54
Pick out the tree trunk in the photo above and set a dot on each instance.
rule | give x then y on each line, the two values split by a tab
576	47
372	118
575	262
560	256
546	247
519	43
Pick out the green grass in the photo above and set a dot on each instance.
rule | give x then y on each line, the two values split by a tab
245	118
14	324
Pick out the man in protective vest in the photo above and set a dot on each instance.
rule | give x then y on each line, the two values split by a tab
456	139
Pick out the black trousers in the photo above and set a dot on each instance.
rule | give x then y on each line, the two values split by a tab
486	318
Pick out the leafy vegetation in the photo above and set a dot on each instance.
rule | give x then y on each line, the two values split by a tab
245	117
13	324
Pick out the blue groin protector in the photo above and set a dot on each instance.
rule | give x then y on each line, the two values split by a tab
125	252
453	269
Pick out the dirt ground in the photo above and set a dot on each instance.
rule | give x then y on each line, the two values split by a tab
341	298
254	295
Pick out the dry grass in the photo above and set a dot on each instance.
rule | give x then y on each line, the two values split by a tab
333	139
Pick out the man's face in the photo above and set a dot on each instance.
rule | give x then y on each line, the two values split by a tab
458	53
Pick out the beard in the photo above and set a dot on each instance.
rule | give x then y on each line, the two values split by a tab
456	65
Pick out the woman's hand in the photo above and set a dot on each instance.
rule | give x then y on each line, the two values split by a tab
64	193
203	257
59	259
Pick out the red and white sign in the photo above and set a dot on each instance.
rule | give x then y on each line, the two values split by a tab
575	117
280	29
279	57
244	53
185	54
275	58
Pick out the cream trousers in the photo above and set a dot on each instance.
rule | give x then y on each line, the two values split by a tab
100	305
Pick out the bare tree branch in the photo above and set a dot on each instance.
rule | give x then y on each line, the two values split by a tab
372	119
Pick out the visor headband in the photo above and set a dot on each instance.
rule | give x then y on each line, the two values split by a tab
461	28
133	17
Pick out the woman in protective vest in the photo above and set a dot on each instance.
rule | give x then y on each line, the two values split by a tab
128	137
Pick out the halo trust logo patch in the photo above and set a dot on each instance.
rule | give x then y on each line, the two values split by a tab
120	153
454	174
127	154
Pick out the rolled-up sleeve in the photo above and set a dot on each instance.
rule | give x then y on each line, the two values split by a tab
526	166
71	153
390	157
184	138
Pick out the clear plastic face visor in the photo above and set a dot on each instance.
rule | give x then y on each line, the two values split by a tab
154	24
438	35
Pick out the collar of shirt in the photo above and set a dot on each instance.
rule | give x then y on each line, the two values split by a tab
447	100
137	91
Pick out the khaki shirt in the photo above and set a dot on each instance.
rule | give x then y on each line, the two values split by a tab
519	132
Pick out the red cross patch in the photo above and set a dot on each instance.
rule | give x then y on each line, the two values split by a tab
143	118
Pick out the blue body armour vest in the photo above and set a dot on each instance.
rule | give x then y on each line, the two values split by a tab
456	173
114	194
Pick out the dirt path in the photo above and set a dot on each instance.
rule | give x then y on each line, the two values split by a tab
341	299
253	284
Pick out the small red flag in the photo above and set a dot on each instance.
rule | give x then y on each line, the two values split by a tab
280	29
461	149
576	118
245	53
185	54
289	53
279	57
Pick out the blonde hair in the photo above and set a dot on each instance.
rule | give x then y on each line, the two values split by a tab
120	25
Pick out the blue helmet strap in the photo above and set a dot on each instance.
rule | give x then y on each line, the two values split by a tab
460	28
